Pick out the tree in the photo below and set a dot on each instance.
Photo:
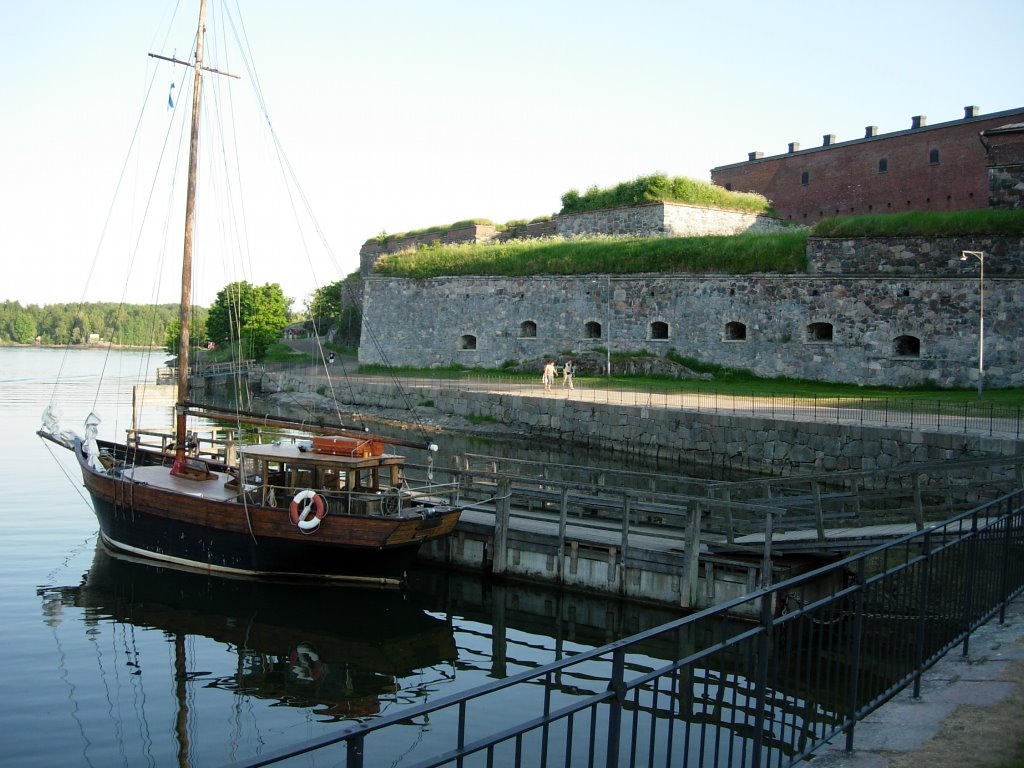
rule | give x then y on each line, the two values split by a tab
250	316
23	328
326	301
335	305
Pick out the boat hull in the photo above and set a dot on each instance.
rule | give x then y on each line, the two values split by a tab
197	529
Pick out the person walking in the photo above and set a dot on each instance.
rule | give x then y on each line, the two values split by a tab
567	373
549	375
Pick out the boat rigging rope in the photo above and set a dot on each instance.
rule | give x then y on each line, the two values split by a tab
74	483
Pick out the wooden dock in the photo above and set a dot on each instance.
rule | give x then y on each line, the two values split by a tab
641	537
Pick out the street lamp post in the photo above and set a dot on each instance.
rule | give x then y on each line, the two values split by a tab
980	256
608	317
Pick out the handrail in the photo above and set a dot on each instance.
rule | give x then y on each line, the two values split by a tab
830	647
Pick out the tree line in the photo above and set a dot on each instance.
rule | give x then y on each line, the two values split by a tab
63	324
245	318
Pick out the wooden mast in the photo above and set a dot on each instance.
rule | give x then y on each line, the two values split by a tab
180	427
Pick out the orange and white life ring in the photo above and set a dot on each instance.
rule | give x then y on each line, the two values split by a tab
304	504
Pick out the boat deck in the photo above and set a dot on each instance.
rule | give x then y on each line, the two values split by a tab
161	477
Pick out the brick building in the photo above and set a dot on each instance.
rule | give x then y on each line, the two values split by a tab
942	167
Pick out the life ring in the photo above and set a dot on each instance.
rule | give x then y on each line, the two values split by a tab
305	663
302	504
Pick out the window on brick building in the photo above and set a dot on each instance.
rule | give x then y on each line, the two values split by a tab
819	332
883	165
592	330
933	157
906	346
659	330
528	329
468	341
735	331
805	178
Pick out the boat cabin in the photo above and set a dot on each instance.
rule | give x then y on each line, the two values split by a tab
360	482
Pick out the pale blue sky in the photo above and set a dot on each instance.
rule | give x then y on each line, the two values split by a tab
402	115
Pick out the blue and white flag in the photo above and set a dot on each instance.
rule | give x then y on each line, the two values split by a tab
170	97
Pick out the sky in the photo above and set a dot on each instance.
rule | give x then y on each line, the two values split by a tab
397	115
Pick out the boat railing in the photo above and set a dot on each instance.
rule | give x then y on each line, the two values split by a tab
217	445
388	501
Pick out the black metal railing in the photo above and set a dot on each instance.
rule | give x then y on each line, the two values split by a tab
829	647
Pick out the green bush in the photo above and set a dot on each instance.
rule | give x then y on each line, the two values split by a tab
659	187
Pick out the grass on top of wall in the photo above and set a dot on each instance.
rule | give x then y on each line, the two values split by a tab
923	224
784	252
659	187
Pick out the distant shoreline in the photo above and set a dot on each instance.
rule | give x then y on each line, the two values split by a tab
119	347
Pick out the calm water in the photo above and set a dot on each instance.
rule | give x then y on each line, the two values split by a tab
110	662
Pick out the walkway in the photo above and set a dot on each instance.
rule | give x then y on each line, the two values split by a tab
969	712
982	418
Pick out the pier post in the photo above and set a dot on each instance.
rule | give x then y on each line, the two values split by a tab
691	560
502	516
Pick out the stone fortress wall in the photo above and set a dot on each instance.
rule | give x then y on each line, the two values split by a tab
874	312
885	311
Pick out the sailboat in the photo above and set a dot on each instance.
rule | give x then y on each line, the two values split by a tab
334	504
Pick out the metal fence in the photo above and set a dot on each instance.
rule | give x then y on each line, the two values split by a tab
829	647
968	417
975	416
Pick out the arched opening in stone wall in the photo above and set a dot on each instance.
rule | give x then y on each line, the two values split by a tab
659	330
592	330
819	332
468	341
735	331
528	329
906	346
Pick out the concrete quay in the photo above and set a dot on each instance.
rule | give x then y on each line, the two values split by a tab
970	711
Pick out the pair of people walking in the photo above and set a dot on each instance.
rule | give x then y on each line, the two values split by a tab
551	373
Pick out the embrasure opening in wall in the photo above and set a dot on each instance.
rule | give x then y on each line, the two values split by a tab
906	346
735	331
819	332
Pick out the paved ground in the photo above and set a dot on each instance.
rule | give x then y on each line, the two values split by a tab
969	713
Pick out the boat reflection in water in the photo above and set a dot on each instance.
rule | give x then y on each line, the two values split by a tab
166	666
332	650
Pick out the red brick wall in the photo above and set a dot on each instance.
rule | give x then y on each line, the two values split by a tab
844	179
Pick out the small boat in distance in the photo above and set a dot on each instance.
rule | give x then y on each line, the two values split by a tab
331	503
